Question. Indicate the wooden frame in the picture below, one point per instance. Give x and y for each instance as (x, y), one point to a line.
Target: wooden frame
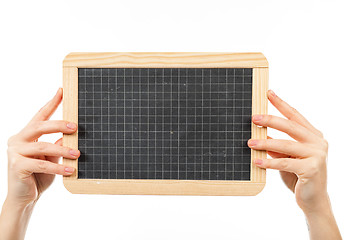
(73, 61)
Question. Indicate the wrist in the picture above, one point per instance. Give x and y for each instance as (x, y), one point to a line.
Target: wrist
(18, 203)
(14, 218)
(320, 207)
(321, 222)
(17, 207)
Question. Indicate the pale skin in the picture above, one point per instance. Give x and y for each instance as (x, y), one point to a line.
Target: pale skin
(301, 162)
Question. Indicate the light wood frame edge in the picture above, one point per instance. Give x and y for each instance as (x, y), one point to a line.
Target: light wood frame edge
(165, 187)
(259, 106)
(70, 113)
(164, 59)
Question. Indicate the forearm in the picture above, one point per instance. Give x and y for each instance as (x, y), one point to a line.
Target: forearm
(14, 219)
(322, 224)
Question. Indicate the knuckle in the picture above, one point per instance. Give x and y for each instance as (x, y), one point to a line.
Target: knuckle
(36, 126)
(292, 126)
(58, 125)
(262, 144)
(323, 155)
(10, 150)
(42, 165)
(322, 149)
(265, 163)
(325, 145)
(320, 134)
(11, 140)
(13, 146)
(287, 144)
(313, 168)
(293, 112)
(282, 102)
(14, 163)
(268, 118)
(57, 169)
(63, 151)
(41, 146)
(60, 169)
(284, 164)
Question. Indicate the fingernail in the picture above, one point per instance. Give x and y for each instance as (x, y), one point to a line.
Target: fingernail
(69, 170)
(74, 152)
(257, 118)
(271, 92)
(71, 125)
(252, 143)
(258, 161)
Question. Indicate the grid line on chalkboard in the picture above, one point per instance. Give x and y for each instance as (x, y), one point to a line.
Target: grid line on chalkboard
(164, 123)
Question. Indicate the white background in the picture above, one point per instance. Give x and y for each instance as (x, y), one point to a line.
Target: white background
(313, 51)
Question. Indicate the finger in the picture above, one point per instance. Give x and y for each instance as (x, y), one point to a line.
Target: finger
(43, 166)
(48, 110)
(59, 142)
(35, 129)
(290, 112)
(47, 149)
(293, 129)
(289, 178)
(281, 164)
(291, 148)
(275, 154)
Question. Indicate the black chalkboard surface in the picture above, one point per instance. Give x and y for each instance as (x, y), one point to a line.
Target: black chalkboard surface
(164, 123)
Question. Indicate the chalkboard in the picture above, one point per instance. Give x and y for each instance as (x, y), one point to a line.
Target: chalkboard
(164, 124)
